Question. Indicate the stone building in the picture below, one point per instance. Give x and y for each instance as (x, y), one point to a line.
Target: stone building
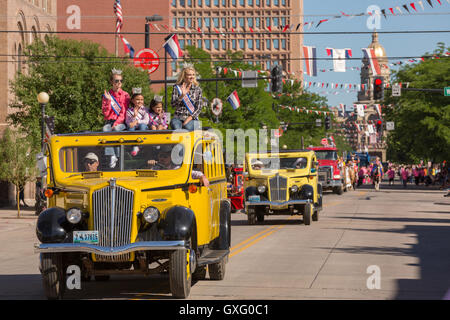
(25, 20)
(364, 141)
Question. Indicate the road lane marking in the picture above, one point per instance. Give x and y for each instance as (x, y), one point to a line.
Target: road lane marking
(264, 233)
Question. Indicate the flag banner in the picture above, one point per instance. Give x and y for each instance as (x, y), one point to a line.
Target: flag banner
(309, 53)
(339, 56)
(360, 110)
(172, 47)
(119, 23)
(186, 100)
(369, 53)
(233, 99)
(378, 109)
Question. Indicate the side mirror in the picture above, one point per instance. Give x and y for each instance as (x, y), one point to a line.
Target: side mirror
(313, 170)
(42, 164)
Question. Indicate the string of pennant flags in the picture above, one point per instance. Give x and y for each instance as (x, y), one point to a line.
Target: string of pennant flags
(407, 8)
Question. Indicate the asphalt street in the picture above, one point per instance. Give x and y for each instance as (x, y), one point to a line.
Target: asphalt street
(390, 244)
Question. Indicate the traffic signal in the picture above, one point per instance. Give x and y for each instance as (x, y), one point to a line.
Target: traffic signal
(327, 123)
(277, 79)
(378, 88)
(379, 126)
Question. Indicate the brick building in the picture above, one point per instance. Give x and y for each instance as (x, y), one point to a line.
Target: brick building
(182, 15)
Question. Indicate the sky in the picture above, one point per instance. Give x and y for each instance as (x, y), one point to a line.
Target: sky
(396, 45)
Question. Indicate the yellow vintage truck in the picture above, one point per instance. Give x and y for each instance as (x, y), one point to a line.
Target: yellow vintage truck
(162, 208)
(280, 183)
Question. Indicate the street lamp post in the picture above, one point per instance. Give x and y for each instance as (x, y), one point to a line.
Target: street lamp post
(43, 100)
(154, 17)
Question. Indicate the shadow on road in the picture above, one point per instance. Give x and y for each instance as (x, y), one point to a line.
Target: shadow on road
(432, 249)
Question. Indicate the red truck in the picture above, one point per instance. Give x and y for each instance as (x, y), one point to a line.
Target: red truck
(329, 173)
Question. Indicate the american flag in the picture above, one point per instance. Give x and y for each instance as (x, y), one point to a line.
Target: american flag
(118, 12)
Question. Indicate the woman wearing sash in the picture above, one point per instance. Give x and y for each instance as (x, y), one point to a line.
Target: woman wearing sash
(187, 101)
(114, 107)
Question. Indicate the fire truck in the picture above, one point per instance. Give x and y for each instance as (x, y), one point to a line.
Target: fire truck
(329, 172)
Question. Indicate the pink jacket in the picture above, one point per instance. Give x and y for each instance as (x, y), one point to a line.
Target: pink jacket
(404, 174)
(391, 174)
(123, 98)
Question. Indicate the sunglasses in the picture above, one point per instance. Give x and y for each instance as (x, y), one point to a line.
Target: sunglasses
(118, 81)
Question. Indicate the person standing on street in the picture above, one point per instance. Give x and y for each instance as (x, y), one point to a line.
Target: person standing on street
(391, 175)
(377, 174)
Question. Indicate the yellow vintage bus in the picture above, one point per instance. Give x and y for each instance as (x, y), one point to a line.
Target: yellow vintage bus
(284, 182)
(150, 205)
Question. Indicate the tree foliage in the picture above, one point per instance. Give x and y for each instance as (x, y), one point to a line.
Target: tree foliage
(74, 74)
(422, 119)
(17, 160)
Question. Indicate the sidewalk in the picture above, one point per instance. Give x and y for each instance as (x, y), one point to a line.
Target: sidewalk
(11, 213)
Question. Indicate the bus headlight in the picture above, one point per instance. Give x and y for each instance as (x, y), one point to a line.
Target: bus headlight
(262, 189)
(294, 188)
(74, 215)
(151, 214)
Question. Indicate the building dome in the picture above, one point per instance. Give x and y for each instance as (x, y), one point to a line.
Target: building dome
(378, 48)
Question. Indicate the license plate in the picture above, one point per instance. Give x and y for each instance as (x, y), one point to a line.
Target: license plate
(90, 237)
(254, 198)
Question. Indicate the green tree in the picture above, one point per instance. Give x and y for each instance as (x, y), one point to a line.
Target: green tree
(422, 119)
(17, 160)
(74, 74)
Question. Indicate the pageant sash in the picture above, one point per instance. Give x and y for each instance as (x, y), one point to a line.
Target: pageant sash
(187, 101)
(114, 104)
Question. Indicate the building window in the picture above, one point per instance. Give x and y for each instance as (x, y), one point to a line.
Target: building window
(174, 23)
(233, 3)
(233, 22)
(267, 22)
(216, 22)
(241, 22)
(283, 3)
(181, 23)
(276, 2)
(216, 3)
(199, 44)
(250, 3)
(283, 21)
(275, 22)
(257, 22)
(258, 44)
(268, 47)
(208, 44)
(207, 22)
(276, 44)
(216, 44)
(233, 44)
(224, 22)
(250, 44)
(189, 22)
(283, 43)
(224, 44)
(181, 44)
(208, 3)
(257, 3)
(268, 3)
(189, 2)
(182, 3)
(250, 22)
(199, 3)
(242, 3)
(199, 22)
(174, 3)
(241, 44)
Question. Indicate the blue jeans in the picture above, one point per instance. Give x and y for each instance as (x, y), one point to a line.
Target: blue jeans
(139, 127)
(177, 124)
(109, 151)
